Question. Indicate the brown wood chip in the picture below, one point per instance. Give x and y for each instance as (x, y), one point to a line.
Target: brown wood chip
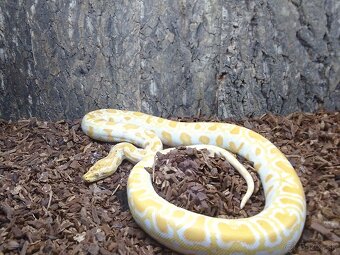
(206, 185)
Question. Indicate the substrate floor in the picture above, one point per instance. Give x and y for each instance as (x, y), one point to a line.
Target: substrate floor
(45, 207)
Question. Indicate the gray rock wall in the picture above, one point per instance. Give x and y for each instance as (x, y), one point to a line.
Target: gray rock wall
(61, 59)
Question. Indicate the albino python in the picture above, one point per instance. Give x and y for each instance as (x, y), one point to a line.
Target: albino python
(275, 230)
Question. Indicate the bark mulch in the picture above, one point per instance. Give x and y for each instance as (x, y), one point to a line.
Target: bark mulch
(45, 207)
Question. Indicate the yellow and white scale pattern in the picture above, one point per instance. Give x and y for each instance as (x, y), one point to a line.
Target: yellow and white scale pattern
(275, 230)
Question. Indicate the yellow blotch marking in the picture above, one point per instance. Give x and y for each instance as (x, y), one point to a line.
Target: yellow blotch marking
(213, 127)
(185, 138)
(178, 214)
(287, 168)
(288, 201)
(257, 151)
(167, 136)
(143, 152)
(141, 205)
(268, 229)
(240, 147)
(136, 174)
(276, 152)
(130, 126)
(162, 224)
(160, 120)
(139, 193)
(204, 139)
(286, 219)
(138, 114)
(236, 233)
(172, 124)
(120, 146)
(152, 204)
(149, 119)
(195, 233)
(269, 190)
(111, 110)
(156, 146)
(256, 136)
(135, 182)
(111, 123)
(99, 120)
(127, 118)
(234, 148)
(268, 177)
(284, 166)
(294, 190)
(197, 126)
(150, 134)
(108, 132)
(130, 147)
(236, 130)
(91, 131)
(111, 119)
(90, 116)
(219, 141)
(257, 166)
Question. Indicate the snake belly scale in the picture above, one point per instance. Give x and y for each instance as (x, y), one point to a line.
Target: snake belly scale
(275, 230)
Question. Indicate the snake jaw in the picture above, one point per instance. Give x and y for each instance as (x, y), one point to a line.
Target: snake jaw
(106, 166)
(100, 170)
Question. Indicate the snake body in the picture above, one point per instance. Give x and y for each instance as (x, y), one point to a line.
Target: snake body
(275, 230)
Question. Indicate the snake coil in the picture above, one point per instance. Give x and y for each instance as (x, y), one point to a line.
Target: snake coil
(275, 230)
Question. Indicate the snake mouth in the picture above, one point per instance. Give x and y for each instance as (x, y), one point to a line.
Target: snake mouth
(95, 174)
(89, 177)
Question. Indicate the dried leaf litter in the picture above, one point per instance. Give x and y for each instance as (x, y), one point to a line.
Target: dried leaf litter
(45, 207)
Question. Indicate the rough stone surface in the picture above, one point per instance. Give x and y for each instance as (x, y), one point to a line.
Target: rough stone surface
(61, 59)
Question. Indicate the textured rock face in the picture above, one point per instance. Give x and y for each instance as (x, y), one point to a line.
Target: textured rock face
(60, 59)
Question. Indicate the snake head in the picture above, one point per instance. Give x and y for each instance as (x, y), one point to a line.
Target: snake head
(100, 170)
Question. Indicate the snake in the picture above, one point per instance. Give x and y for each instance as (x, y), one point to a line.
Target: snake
(274, 230)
